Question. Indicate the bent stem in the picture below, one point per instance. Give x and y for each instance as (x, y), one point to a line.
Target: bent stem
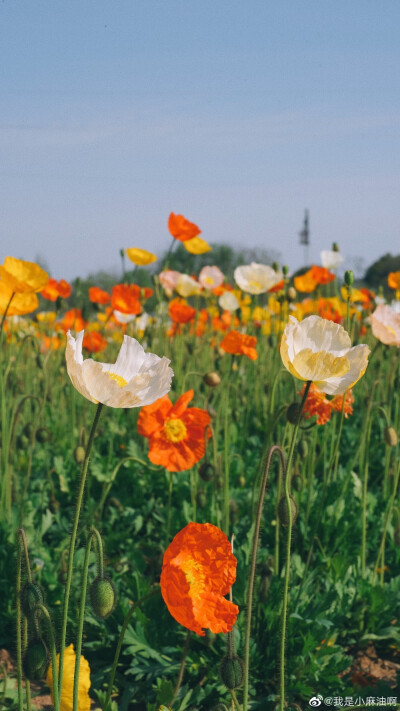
(72, 544)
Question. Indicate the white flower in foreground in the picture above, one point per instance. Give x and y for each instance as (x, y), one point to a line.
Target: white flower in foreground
(256, 278)
(331, 259)
(135, 379)
(319, 350)
(385, 324)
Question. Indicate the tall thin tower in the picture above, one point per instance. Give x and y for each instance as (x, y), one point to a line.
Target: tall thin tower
(305, 237)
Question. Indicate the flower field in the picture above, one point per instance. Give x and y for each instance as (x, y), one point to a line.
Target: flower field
(199, 486)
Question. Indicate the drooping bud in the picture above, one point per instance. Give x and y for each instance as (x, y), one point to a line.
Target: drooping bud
(102, 597)
(391, 437)
(43, 435)
(36, 660)
(212, 379)
(283, 511)
(79, 454)
(30, 596)
(292, 413)
(206, 471)
(232, 672)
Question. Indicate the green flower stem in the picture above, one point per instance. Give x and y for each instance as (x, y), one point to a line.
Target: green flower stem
(249, 601)
(4, 317)
(120, 641)
(181, 668)
(27, 683)
(288, 545)
(92, 534)
(170, 487)
(45, 612)
(380, 558)
(235, 701)
(18, 621)
(72, 543)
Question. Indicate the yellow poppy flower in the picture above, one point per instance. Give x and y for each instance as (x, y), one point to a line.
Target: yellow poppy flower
(196, 245)
(22, 277)
(21, 303)
(141, 257)
(320, 350)
(66, 702)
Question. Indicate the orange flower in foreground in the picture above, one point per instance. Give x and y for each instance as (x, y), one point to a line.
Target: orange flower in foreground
(180, 311)
(181, 229)
(54, 289)
(98, 296)
(176, 433)
(394, 280)
(125, 298)
(240, 344)
(198, 570)
(94, 342)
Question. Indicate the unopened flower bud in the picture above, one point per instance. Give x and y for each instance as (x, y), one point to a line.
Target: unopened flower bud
(285, 270)
(292, 413)
(36, 660)
(102, 597)
(43, 435)
(291, 294)
(30, 595)
(79, 454)
(206, 471)
(349, 277)
(391, 437)
(220, 707)
(201, 499)
(232, 672)
(283, 511)
(275, 266)
(335, 247)
(212, 379)
(297, 481)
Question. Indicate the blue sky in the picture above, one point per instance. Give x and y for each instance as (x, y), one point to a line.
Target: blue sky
(236, 114)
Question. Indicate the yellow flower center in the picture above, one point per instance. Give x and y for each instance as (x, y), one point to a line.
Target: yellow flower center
(255, 284)
(118, 379)
(209, 280)
(175, 430)
(194, 573)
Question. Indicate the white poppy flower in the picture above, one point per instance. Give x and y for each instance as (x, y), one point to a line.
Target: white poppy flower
(187, 286)
(385, 324)
(320, 350)
(123, 318)
(228, 301)
(331, 259)
(256, 278)
(135, 379)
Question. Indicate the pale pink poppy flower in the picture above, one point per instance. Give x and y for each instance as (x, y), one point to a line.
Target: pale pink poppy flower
(385, 324)
(211, 277)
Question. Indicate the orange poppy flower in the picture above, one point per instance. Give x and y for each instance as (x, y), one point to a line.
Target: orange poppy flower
(394, 280)
(176, 433)
(94, 342)
(240, 344)
(73, 319)
(316, 404)
(98, 296)
(125, 298)
(54, 289)
(326, 309)
(337, 403)
(180, 311)
(315, 276)
(198, 570)
(181, 229)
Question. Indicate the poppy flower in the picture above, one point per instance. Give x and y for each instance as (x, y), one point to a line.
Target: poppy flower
(210, 278)
(394, 280)
(319, 350)
(176, 433)
(306, 283)
(386, 325)
(20, 305)
(168, 280)
(140, 257)
(66, 701)
(126, 298)
(98, 296)
(22, 277)
(331, 259)
(337, 403)
(180, 311)
(197, 245)
(198, 570)
(181, 229)
(135, 379)
(73, 319)
(240, 344)
(187, 286)
(94, 342)
(317, 404)
(54, 289)
(256, 278)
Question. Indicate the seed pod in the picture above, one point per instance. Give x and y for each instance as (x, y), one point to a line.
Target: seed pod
(232, 672)
(102, 597)
(297, 481)
(283, 511)
(36, 660)
(211, 379)
(391, 437)
(79, 454)
(349, 277)
(302, 448)
(292, 413)
(43, 435)
(30, 596)
(28, 430)
(206, 471)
